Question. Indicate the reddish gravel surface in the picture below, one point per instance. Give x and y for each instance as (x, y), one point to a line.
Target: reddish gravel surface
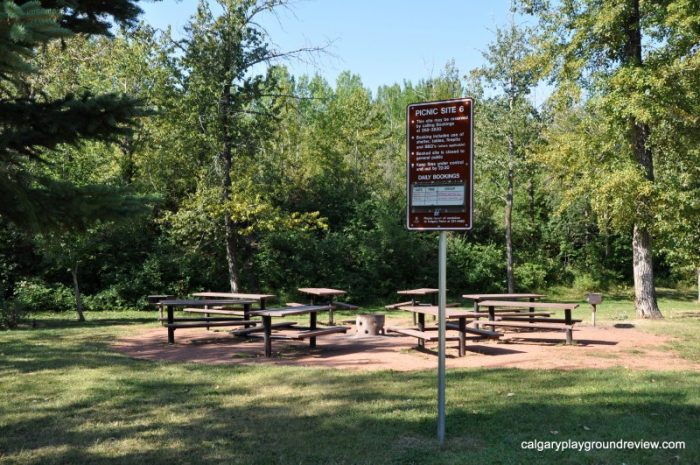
(601, 347)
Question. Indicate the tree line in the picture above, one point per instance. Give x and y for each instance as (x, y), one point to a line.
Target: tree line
(136, 163)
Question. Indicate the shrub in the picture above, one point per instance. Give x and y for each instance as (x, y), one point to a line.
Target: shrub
(37, 296)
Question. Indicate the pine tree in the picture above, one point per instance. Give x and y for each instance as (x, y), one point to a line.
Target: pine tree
(32, 124)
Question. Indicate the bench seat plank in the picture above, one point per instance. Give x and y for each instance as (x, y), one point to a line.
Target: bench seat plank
(477, 331)
(509, 303)
(260, 329)
(537, 320)
(525, 324)
(418, 334)
(320, 332)
(207, 324)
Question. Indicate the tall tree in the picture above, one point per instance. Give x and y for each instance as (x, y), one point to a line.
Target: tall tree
(628, 58)
(507, 119)
(231, 87)
(33, 124)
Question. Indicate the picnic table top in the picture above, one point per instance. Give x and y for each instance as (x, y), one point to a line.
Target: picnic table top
(202, 302)
(501, 296)
(234, 295)
(450, 312)
(421, 291)
(321, 291)
(286, 311)
(507, 303)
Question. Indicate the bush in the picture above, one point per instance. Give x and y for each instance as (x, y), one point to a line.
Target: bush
(530, 277)
(37, 296)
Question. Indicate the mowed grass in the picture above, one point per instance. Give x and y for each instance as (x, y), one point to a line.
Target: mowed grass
(67, 398)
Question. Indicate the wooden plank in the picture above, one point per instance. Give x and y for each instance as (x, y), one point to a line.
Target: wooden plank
(422, 291)
(321, 332)
(286, 311)
(213, 311)
(235, 295)
(537, 320)
(400, 304)
(201, 318)
(478, 331)
(344, 305)
(418, 334)
(321, 291)
(260, 329)
(207, 324)
(502, 296)
(516, 324)
(508, 303)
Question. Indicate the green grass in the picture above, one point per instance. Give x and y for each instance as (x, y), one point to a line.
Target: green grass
(68, 399)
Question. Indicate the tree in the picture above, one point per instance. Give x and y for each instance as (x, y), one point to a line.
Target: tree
(507, 119)
(33, 124)
(234, 108)
(631, 63)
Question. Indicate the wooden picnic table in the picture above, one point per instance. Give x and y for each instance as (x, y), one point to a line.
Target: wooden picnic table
(310, 332)
(460, 314)
(527, 321)
(261, 298)
(321, 296)
(173, 324)
(414, 294)
(477, 298)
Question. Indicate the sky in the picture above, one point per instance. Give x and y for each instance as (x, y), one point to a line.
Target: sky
(383, 41)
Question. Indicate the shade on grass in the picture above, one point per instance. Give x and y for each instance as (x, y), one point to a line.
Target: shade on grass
(66, 398)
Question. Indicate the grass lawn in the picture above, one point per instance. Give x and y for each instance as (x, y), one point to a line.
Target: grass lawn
(68, 399)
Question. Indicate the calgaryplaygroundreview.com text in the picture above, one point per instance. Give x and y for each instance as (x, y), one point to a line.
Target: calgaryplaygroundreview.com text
(588, 446)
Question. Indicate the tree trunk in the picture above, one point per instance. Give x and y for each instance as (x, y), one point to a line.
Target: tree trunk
(76, 291)
(509, 235)
(644, 291)
(226, 159)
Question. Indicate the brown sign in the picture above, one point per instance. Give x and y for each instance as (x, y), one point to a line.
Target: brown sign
(439, 170)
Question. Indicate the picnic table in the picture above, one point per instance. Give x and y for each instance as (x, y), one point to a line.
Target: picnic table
(310, 332)
(414, 294)
(321, 296)
(173, 324)
(526, 320)
(460, 314)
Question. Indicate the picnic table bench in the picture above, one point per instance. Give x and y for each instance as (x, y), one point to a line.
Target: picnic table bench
(460, 314)
(527, 320)
(173, 324)
(310, 332)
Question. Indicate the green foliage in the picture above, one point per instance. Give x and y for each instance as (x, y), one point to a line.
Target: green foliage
(37, 296)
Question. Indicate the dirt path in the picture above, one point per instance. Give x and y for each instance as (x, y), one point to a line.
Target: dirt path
(601, 347)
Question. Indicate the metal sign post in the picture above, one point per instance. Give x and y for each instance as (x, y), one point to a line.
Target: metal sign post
(439, 191)
(442, 303)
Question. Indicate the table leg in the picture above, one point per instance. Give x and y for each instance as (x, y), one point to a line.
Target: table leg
(246, 314)
(462, 336)
(421, 328)
(330, 312)
(267, 333)
(160, 311)
(413, 304)
(171, 330)
(567, 316)
(312, 326)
